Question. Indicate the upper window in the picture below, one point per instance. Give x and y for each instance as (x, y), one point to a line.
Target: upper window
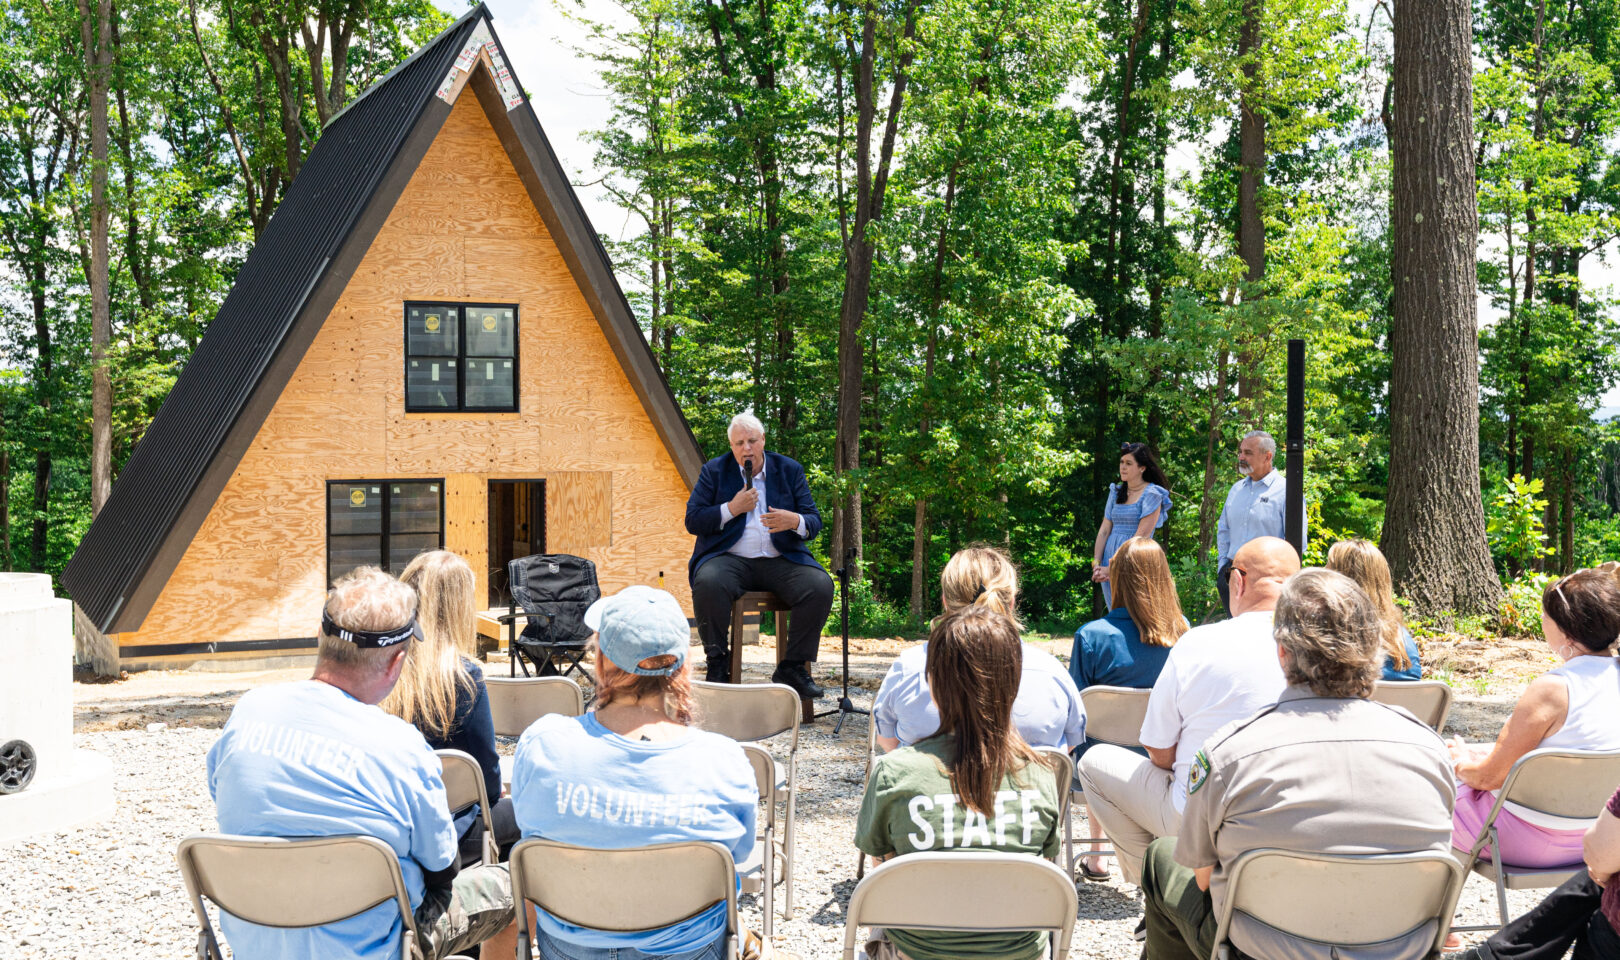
(460, 357)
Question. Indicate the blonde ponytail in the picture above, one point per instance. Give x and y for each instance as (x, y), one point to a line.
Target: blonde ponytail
(981, 576)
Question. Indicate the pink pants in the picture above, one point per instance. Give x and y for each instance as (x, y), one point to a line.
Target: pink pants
(1523, 844)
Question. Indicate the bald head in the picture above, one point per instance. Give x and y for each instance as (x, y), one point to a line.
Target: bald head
(1258, 572)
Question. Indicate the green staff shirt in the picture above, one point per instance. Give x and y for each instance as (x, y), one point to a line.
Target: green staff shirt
(910, 807)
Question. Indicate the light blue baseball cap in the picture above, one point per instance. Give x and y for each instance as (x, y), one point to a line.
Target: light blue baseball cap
(637, 624)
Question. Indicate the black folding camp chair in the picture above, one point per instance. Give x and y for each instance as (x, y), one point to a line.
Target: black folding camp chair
(550, 593)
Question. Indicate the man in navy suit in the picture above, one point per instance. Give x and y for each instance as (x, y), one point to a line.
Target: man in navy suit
(751, 534)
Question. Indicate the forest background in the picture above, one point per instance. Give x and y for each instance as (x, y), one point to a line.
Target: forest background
(940, 247)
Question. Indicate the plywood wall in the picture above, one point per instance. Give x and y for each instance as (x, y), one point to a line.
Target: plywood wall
(464, 230)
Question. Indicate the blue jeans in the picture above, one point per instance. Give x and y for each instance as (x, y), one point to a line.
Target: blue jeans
(551, 948)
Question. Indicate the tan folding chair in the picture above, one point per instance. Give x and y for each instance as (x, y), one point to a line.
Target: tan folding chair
(292, 883)
(1574, 784)
(463, 787)
(1113, 715)
(967, 891)
(1062, 767)
(866, 778)
(1428, 700)
(762, 863)
(747, 712)
(516, 702)
(624, 891)
(1342, 900)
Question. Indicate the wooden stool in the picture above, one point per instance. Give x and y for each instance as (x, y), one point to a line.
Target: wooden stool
(762, 601)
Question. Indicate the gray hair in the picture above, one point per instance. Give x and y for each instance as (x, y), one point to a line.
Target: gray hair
(1330, 630)
(365, 598)
(1268, 443)
(746, 421)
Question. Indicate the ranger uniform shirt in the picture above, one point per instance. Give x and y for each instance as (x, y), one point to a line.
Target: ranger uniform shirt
(1317, 775)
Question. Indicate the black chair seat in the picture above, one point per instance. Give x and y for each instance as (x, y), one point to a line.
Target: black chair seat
(553, 591)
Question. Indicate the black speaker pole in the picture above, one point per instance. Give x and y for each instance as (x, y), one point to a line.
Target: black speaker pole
(845, 706)
(1294, 504)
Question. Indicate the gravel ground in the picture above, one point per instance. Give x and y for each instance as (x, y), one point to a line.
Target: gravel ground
(113, 891)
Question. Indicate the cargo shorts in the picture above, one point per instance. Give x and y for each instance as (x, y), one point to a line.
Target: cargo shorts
(477, 905)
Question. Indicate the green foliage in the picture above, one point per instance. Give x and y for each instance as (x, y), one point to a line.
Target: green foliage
(1520, 612)
(871, 616)
(1056, 264)
(1513, 523)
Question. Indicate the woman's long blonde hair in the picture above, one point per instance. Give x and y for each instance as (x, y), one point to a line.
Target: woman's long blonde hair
(981, 576)
(1140, 576)
(1363, 563)
(434, 675)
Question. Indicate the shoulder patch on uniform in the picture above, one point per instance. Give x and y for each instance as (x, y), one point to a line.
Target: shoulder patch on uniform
(1198, 773)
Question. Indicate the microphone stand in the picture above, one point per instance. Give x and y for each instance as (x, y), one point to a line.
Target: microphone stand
(845, 705)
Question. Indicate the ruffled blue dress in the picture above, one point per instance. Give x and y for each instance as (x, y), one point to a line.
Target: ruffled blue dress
(1126, 516)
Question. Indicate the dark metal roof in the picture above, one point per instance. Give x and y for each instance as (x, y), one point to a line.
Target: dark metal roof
(283, 292)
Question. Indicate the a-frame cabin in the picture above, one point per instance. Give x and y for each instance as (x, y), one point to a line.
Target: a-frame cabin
(426, 347)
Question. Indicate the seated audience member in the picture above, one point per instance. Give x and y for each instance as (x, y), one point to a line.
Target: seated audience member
(1324, 770)
(318, 758)
(1214, 674)
(1363, 563)
(442, 693)
(1584, 912)
(1128, 647)
(1572, 707)
(975, 784)
(633, 772)
(1047, 711)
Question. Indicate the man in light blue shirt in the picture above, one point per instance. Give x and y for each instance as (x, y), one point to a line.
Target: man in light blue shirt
(318, 758)
(1256, 506)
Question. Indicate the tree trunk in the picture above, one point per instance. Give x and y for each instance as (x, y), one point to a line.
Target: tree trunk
(871, 180)
(95, 28)
(1251, 231)
(919, 561)
(5, 511)
(1434, 518)
(1207, 514)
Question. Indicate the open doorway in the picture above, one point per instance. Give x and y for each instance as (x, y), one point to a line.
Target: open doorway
(517, 528)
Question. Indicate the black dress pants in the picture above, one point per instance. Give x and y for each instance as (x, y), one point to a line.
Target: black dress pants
(807, 590)
(1223, 586)
(1568, 916)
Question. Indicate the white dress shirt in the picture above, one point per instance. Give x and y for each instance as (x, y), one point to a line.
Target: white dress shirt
(1215, 674)
(755, 540)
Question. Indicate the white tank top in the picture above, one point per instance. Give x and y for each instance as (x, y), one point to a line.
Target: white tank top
(1590, 724)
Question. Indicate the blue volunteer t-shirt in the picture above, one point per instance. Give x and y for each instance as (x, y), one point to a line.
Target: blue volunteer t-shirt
(575, 781)
(306, 759)
(1047, 710)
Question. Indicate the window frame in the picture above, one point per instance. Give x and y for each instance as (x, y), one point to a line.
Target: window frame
(461, 356)
(384, 534)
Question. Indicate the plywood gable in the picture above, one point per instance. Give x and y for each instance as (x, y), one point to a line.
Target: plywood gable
(464, 230)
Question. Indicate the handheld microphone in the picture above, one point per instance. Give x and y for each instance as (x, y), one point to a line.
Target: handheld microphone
(748, 473)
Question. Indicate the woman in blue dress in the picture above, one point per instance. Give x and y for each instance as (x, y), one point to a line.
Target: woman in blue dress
(1137, 506)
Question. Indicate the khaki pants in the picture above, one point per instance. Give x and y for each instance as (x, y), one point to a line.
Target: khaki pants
(1132, 799)
(881, 947)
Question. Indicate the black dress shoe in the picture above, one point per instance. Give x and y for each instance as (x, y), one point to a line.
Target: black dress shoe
(717, 670)
(804, 674)
(796, 679)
